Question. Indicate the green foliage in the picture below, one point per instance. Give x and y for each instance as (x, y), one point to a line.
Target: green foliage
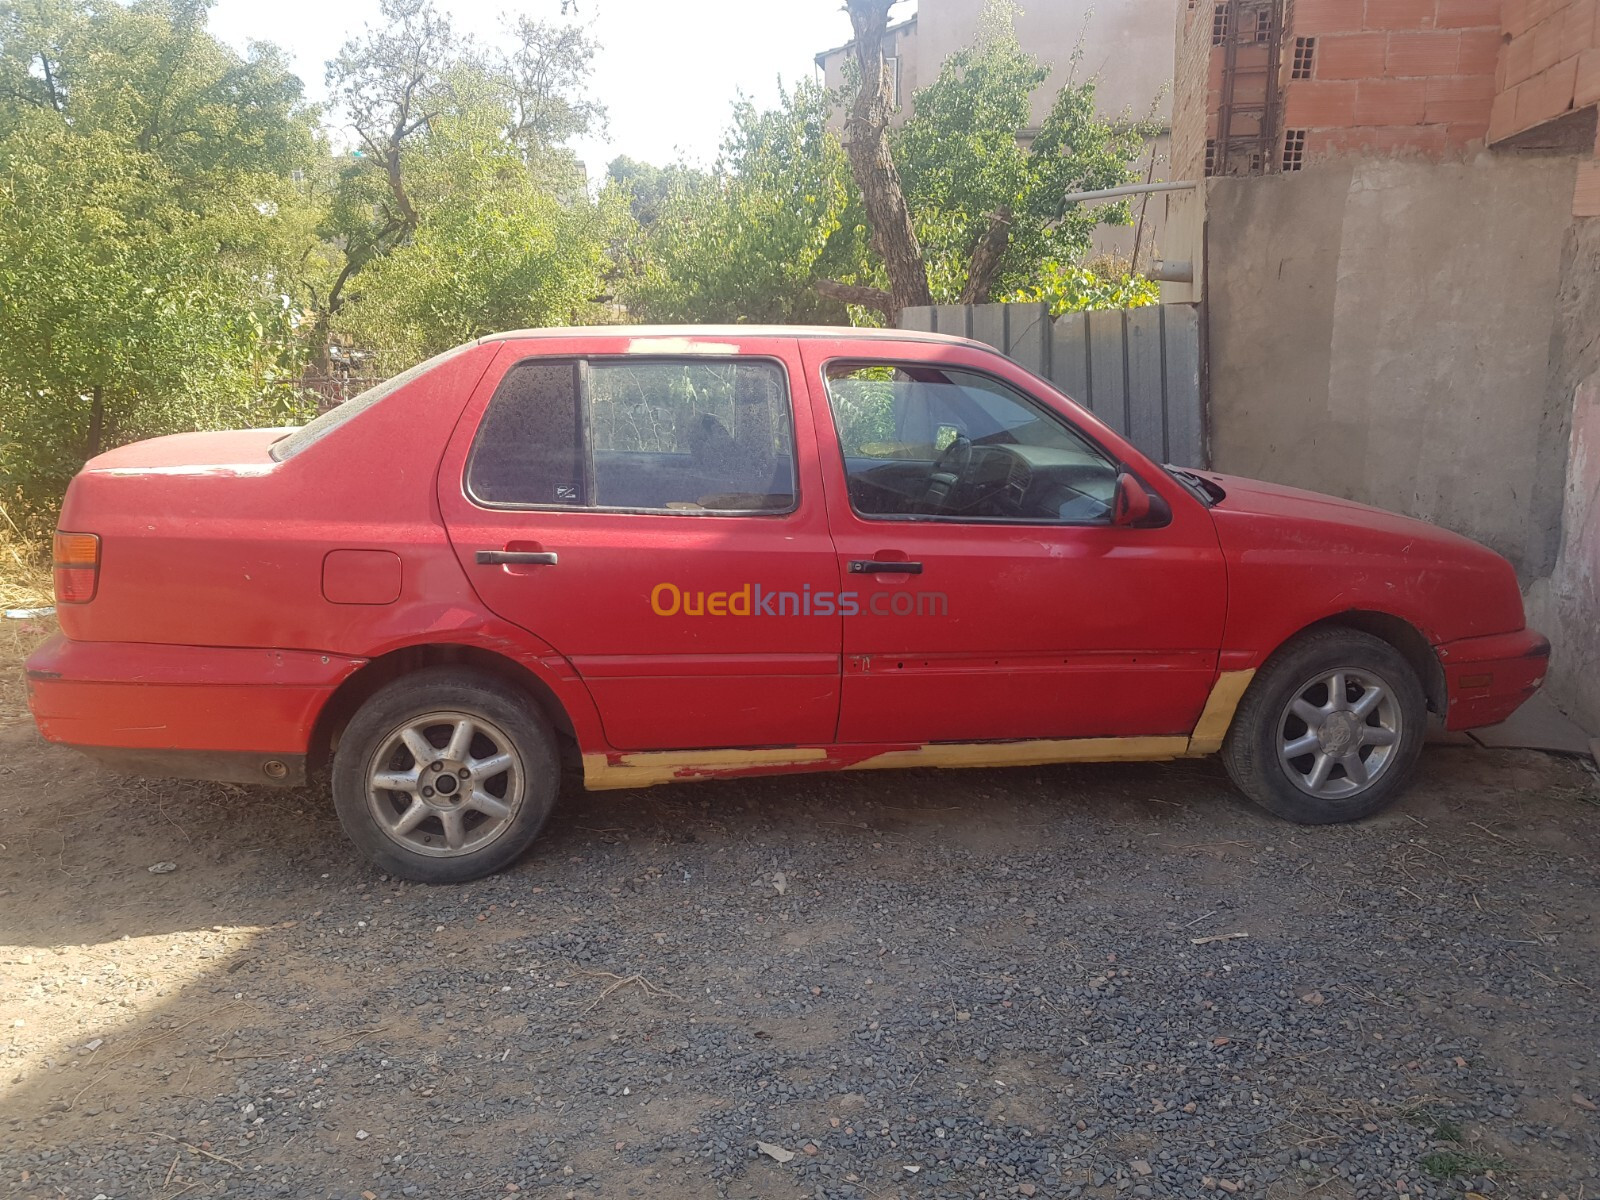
(181, 237)
(1067, 288)
(144, 212)
(960, 161)
(464, 212)
(648, 187)
(504, 258)
(747, 242)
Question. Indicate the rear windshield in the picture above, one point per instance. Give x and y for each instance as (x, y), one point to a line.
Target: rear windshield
(292, 443)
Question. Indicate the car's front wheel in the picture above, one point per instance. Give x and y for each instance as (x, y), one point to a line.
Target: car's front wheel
(445, 776)
(1329, 729)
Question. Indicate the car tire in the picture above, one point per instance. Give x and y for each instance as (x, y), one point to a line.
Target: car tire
(445, 776)
(1308, 754)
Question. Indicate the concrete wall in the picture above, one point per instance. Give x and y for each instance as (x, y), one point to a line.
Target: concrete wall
(1127, 48)
(1127, 45)
(1565, 600)
(1412, 335)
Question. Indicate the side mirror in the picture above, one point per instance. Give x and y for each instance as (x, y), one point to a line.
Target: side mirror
(1131, 504)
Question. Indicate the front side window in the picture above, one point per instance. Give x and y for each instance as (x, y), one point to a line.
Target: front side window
(653, 435)
(928, 442)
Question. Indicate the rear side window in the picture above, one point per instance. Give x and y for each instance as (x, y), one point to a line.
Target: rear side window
(529, 449)
(640, 435)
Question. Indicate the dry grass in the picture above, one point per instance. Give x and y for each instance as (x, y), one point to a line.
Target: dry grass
(24, 568)
(24, 583)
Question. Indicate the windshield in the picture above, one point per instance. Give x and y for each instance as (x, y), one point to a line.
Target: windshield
(292, 443)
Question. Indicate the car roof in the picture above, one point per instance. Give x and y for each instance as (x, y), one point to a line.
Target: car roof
(732, 332)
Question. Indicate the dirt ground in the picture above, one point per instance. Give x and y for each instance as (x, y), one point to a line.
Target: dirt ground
(1100, 981)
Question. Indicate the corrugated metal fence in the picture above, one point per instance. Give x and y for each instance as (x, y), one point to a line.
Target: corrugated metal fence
(1137, 369)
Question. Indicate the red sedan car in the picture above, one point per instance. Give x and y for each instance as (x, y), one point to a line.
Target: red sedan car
(684, 554)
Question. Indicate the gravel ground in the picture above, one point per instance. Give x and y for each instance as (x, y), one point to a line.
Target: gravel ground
(1110, 981)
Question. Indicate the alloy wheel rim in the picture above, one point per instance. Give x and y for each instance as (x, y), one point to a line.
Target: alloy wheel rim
(1340, 733)
(445, 784)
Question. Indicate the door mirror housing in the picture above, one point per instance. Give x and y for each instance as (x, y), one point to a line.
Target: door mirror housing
(1131, 503)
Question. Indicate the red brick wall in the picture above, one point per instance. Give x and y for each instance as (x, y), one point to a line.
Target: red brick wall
(1430, 78)
(1394, 75)
(1549, 65)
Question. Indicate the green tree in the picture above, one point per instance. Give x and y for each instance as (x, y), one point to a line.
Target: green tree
(493, 249)
(649, 187)
(747, 242)
(990, 212)
(461, 210)
(147, 217)
(986, 213)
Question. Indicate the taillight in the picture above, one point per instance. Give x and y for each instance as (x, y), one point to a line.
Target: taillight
(77, 564)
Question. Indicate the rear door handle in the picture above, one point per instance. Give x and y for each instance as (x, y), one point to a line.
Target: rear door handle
(874, 566)
(536, 558)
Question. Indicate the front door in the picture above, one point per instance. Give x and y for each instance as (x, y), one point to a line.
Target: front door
(656, 517)
(993, 598)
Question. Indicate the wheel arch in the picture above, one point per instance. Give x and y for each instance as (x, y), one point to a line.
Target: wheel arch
(354, 691)
(1411, 643)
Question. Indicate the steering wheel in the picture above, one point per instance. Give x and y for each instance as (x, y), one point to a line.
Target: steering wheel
(949, 469)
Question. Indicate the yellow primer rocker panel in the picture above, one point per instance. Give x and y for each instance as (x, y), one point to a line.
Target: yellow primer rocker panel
(1028, 754)
(601, 773)
(681, 766)
(1217, 715)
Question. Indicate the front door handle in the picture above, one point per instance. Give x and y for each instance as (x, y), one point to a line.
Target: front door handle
(536, 558)
(875, 566)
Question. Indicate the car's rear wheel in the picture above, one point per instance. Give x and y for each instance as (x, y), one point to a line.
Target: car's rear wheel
(1329, 730)
(445, 776)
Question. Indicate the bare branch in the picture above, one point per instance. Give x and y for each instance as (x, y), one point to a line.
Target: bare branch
(852, 293)
(986, 258)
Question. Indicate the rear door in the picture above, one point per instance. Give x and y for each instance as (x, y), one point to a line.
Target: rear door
(652, 508)
(989, 596)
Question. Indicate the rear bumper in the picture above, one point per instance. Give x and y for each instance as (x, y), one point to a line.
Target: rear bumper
(1488, 678)
(208, 712)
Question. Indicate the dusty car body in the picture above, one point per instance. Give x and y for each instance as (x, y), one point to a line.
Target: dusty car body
(690, 553)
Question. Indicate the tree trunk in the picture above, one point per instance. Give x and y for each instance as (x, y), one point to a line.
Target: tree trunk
(97, 423)
(986, 258)
(866, 141)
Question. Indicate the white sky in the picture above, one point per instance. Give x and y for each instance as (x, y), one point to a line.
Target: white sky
(667, 70)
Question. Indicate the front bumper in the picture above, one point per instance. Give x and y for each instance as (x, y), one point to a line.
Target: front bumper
(1488, 678)
(205, 712)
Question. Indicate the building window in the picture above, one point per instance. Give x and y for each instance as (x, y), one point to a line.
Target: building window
(1294, 149)
(891, 64)
(1263, 26)
(1211, 157)
(1219, 25)
(1305, 57)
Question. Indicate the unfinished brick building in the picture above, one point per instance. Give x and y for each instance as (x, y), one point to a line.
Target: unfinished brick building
(1274, 85)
